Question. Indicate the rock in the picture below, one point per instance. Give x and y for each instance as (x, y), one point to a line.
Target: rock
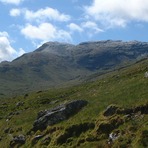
(14, 113)
(110, 110)
(46, 140)
(19, 129)
(74, 131)
(42, 113)
(91, 138)
(54, 102)
(40, 91)
(146, 74)
(58, 114)
(36, 138)
(107, 127)
(18, 104)
(113, 136)
(25, 96)
(8, 130)
(80, 141)
(17, 140)
(143, 109)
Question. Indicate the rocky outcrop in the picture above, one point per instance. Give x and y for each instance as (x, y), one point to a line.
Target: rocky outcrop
(110, 110)
(36, 138)
(113, 109)
(17, 140)
(74, 131)
(58, 114)
(108, 126)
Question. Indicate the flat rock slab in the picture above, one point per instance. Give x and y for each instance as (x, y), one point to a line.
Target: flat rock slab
(58, 114)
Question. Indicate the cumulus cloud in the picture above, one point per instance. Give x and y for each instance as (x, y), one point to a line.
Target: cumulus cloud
(92, 26)
(46, 14)
(75, 27)
(45, 32)
(113, 13)
(7, 52)
(20, 52)
(16, 2)
(15, 12)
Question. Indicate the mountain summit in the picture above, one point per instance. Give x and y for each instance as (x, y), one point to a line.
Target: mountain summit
(55, 64)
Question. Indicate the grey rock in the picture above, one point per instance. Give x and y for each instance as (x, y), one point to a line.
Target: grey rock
(20, 139)
(58, 114)
(113, 109)
(18, 104)
(146, 74)
(143, 109)
(110, 110)
(113, 136)
(36, 138)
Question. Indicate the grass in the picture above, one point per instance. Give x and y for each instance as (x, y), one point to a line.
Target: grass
(126, 87)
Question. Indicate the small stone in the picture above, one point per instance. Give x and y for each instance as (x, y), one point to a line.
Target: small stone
(7, 130)
(36, 138)
(46, 140)
(146, 74)
(113, 136)
(17, 140)
(18, 104)
(110, 110)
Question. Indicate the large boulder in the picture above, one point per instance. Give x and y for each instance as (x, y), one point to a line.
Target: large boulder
(57, 114)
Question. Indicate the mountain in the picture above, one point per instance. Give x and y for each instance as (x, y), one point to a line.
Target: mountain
(110, 112)
(55, 64)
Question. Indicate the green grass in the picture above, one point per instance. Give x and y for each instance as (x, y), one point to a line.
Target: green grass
(126, 87)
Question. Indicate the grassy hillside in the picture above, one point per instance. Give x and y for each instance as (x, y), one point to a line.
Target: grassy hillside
(125, 88)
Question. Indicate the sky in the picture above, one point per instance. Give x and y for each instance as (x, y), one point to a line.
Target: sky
(27, 24)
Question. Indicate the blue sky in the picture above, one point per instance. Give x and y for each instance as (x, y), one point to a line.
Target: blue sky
(27, 24)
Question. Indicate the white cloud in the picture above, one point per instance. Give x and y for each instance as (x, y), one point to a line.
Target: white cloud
(21, 52)
(46, 14)
(45, 32)
(74, 27)
(91, 26)
(113, 13)
(16, 2)
(7, 52)
(15, 12)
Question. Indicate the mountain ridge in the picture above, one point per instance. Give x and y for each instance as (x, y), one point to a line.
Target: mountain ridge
(55, 64)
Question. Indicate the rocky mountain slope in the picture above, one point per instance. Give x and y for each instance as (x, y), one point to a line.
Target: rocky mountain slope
(55, 64)
(110, 112)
